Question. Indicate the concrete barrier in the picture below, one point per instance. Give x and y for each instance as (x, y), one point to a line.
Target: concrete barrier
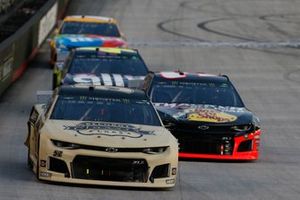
(22, 44)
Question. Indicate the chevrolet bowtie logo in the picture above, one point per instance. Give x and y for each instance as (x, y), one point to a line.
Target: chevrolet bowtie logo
(203, 128)
(111, 149)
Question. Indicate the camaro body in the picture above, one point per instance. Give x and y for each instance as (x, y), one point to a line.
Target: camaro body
(100, 152)
(206, 114)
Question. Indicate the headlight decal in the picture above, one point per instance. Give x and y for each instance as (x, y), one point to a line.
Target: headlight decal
(72, 146)
(242, 128)
(65, 145)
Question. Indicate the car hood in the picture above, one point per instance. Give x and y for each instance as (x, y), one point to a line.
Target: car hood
(69, 41)
(205, 114)
(108, 134)
(104, 79)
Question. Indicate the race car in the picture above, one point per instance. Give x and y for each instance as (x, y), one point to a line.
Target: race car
(206, 114)
(81, 31)
(101, 135)
(101, 66)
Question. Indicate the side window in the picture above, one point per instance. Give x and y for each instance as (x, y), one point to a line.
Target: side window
(147, 83)
(49, 104)
(67, 64)
(33, 116)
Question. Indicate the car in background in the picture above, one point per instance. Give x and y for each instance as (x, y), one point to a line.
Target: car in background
(206, 114)
(101, 135)
(101, 66)
(81, 31)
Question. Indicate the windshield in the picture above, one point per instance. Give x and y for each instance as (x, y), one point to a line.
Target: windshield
(119, 110)
(104, 29)
(209, 93)
(98, 62)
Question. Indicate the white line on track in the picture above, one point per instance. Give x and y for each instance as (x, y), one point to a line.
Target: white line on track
(265, 45)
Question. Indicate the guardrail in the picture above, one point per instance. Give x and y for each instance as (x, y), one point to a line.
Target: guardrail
(21, 46)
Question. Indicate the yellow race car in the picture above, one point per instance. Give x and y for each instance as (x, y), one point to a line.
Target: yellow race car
(82, 31)
(101, 135)
(100, 66)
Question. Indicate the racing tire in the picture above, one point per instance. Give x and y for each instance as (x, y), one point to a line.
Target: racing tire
(54, 81)
(29, 161)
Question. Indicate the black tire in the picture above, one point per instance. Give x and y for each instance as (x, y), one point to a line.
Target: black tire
(29, 161)
(54, 81)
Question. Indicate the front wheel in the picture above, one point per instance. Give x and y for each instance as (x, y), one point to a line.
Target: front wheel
(29, 161)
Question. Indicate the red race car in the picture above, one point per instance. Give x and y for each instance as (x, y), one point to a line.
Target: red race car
(206, 114)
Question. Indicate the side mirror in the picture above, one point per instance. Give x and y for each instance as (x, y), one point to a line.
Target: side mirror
(56, 31)
(51, 42)
(168, 124)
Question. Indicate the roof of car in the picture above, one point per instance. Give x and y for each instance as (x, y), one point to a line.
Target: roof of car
(107, 50)
(188, 76)
(103, 92)
(89, 18)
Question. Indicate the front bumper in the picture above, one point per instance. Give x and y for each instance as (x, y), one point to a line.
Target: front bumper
(242, 148)
(94, 167)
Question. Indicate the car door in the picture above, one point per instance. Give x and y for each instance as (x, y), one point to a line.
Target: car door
(32, 138)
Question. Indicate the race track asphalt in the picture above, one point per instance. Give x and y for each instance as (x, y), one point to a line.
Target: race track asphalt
(254, 42)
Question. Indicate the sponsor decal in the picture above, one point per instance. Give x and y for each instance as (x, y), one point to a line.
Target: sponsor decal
(173, 75)
(105, 79)
(170, 181)
(45, 174)
(6, 68)
(138, 162)
(86, 78)
(57, 153)
(109, 129)
(201, 113)
(184, 106)
(210, 115)
(73, 41)
(107, 19)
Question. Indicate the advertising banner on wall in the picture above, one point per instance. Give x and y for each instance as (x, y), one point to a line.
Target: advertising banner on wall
(47, 23)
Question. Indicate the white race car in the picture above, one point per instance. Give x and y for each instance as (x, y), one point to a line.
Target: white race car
(101, 135)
